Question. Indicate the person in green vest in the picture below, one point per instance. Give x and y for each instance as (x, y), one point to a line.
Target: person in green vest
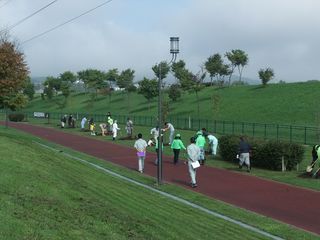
(176, 145)
(201, 142)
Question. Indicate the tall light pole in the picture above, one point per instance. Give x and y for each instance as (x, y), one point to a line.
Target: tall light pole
(174, 50)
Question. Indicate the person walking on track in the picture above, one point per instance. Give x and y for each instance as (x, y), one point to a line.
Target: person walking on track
(176, 145)
(193, 156)
(140, 145)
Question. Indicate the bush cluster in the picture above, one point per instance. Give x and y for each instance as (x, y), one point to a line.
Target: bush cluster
(16, 117)
(264, 154)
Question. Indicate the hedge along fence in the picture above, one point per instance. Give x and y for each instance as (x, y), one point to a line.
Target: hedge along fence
(280, 132)
(268, 154)
(16, 117)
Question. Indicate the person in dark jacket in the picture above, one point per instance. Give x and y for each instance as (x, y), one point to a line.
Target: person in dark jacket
(244, 154)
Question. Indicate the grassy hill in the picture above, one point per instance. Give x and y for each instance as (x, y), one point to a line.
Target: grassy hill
(47, 195)
(291, 103)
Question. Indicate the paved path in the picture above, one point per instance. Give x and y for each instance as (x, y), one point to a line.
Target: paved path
(293, 205)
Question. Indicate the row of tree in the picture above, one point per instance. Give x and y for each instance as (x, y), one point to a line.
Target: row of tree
(96, 81)
(16, 87)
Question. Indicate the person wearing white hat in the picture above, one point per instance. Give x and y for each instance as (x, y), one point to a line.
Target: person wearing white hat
(115, 129)
(176, 146)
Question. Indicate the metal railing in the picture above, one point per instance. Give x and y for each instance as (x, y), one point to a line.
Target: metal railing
(291, 133)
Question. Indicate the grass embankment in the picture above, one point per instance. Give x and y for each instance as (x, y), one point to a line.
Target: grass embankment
(291, 103)
(46, 195)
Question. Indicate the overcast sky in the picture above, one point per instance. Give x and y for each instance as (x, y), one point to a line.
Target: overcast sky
(281, 34)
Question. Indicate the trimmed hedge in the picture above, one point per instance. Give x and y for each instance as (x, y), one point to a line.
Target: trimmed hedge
(16, 117)
(264, 154)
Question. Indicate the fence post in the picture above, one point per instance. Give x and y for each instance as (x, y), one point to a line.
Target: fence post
(189, 122)
(283, 166)
(290, 133)
(277, 132)
(223, 127)
(253, 129)
(232, 127)
(305, 135)
(215, 126)
(265, 131)
(243, 128)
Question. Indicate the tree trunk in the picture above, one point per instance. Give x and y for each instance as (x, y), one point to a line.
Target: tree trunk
(128, 95)
(198, 104)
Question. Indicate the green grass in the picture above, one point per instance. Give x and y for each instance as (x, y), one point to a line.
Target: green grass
(292, 103)
(46, 195)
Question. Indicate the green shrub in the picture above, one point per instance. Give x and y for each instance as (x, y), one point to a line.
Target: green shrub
(16, 117)
(264, 154)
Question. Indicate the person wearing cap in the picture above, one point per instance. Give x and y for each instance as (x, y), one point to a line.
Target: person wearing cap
(83, 122)
(92, 127)
(176, 145)
(201, 142)
(193, 155)
(213, 144)
(109, 122)
(115, 129)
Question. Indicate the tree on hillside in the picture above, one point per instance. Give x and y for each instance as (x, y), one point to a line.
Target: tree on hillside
(239, 59)
(174, 92)
(183, 75)
(216, 68)
(176, 68)
(93, 79)
(111, 76)
(29, 89)
(162, 68)
(51, 86)
(66, 80)
(266, 75)
(149, 89)
(125, 80)
(197, 86)
(13, 74)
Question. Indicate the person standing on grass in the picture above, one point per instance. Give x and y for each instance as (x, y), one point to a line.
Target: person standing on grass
(115, 129)
(193, 155)
(155, 133)
(109, 122)
(201, 142)
(176, 145)
(244, 154)
(83, 123)
(213, 144)
(129, 128)
(92, 127)
(141, 145)
(169, 126)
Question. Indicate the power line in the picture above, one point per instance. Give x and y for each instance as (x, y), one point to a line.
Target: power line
(5, 3)
(31, 15)
(64, 23)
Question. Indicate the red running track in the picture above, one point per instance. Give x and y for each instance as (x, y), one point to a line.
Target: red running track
(292, 205)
